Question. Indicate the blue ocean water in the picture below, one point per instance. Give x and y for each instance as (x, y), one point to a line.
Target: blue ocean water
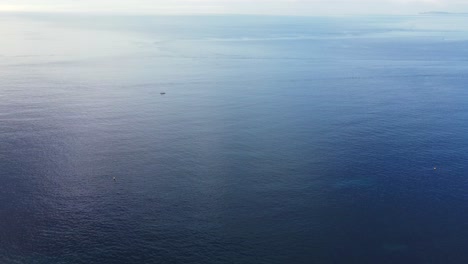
(279, 139)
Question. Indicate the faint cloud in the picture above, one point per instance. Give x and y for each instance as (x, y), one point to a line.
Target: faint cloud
(278, 7)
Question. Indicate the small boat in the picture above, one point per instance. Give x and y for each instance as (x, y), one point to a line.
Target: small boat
(162, 93)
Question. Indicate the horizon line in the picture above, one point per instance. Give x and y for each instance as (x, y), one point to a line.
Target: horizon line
(101, 13)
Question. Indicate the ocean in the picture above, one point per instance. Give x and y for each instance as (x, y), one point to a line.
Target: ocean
(278, 139)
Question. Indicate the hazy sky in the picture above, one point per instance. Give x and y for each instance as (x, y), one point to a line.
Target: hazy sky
(286, 7)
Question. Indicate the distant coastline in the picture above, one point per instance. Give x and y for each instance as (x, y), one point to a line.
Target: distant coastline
(444, 13)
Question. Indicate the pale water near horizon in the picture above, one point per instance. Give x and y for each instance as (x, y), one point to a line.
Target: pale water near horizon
(279, 139)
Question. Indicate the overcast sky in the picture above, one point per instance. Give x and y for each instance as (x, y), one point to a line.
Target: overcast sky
(285, 7)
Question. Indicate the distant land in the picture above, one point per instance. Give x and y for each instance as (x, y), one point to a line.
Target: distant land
(444, 13)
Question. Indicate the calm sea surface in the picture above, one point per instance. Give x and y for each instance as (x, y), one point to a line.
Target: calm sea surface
(279, 139)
